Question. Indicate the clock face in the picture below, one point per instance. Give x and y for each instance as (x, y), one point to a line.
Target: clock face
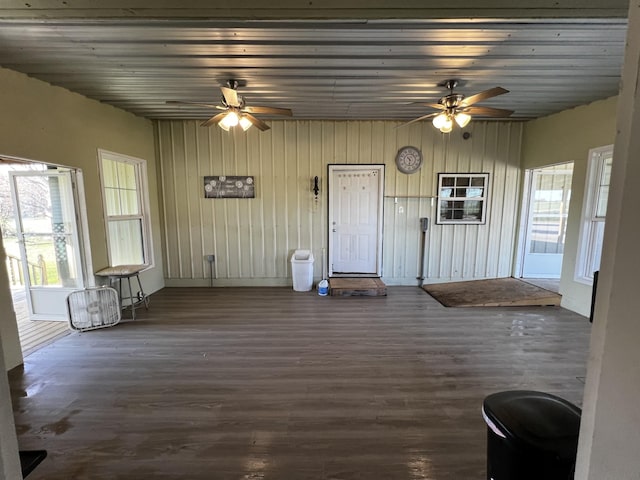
(409, 159)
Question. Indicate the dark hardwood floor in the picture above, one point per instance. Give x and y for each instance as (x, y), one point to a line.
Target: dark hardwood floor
(267, 383)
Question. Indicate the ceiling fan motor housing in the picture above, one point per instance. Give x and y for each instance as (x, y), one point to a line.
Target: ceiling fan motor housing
(240, 106)
(452, 100)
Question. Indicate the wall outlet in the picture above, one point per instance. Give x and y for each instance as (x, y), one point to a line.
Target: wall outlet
(210, 258)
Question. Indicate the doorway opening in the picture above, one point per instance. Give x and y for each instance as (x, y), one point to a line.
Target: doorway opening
(545, 209)
(43, 251)
(356, 194)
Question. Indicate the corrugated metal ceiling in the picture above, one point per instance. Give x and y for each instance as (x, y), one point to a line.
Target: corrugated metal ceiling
(330, 69)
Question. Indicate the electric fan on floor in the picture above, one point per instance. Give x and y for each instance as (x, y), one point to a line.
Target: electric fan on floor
(93, 308)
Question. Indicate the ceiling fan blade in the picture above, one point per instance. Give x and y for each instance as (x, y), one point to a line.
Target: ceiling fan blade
(259, 124)
(271, 110)
(213, 120)
(486, 111)
(478, 97)
(197, 104)
(230, 96)
(438, 106)
(424, 117)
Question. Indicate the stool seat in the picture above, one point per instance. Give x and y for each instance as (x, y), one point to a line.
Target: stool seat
(118, 273)
(121, 270)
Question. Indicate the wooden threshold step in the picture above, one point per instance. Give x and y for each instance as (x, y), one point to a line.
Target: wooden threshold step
(353, 287)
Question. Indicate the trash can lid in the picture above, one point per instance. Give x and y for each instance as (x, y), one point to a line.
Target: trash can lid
(535, 420)
(302, 255)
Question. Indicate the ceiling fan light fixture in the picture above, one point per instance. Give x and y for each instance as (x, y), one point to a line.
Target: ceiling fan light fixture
(245, 123)
(443, 122)
(440, 120)
(446, 128)
(462, 119)
(230, 120)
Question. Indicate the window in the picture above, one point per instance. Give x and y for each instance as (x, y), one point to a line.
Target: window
(462, 198)
(594, 213)
(126, 209)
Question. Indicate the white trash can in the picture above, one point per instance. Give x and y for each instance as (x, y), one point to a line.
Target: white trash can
(302, 270)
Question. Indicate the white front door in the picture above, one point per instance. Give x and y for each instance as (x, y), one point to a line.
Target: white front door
(549, 196)
(355, 220)
(48, 238)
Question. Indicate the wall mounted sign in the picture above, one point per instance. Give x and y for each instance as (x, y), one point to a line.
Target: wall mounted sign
(225, 186)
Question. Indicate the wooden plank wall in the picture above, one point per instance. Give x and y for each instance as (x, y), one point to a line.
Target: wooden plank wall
(253, 239)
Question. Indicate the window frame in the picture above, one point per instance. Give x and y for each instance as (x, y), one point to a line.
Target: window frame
(484, 199)
(142, 190)
(591, 224)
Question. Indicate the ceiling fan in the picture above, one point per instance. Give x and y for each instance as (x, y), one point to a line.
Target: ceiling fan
(455, 107)
(235, 111)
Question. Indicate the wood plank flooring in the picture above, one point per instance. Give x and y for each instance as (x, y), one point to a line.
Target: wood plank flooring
(34, 333)
(267, 383)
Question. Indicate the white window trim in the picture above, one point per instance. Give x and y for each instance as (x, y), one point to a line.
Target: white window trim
(143, 193)
(594, 169)
(484, 199)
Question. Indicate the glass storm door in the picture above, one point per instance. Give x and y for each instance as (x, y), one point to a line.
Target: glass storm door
(550, 193)
(48, 238)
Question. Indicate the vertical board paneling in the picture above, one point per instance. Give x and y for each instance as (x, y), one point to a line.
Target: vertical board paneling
(478, 152)
(242, 209)
(201, 266)
(265, 190)
(253, 239)
(317, 167)
(290, 203)
(280, 172)
(177, 151)
(512, 179)
(497, 189)
(192, 205)
(164, 145)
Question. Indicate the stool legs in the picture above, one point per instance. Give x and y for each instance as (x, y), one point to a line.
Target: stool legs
(134, 300)
(143, 297)
(133, 303)
(112, 280)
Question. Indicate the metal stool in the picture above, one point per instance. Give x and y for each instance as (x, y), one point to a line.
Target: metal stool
(125, 272)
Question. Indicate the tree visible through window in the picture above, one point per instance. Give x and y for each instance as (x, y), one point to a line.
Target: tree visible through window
(124, 195)
(594, 213)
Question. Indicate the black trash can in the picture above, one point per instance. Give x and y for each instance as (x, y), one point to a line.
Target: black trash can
(530, 435)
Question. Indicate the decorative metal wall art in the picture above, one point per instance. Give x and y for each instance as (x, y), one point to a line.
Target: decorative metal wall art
(226, 186)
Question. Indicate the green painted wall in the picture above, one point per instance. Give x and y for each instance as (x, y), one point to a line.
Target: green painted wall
(567, 137)
(48, 124)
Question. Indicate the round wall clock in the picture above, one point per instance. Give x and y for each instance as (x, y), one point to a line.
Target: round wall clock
(409, 159)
